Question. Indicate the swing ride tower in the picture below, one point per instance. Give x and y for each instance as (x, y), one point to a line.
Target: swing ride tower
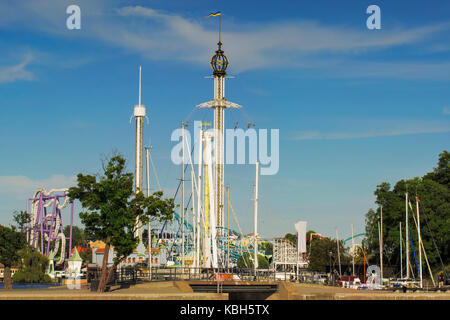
(219, 64)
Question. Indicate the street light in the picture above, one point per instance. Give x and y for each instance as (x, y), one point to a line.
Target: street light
(330, 254)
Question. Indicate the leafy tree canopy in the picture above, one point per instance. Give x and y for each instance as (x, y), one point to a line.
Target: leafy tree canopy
(433, 192)
(112, 209)
(11, 242)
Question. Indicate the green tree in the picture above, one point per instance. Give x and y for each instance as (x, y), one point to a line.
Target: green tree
(112, 209)
(11, 242)
(79, 238)
(433, 192)
(292, 238)
(319, 257)
(21, 220)
(33, 267)
(246, 261)
(268, 248)
(441, 174)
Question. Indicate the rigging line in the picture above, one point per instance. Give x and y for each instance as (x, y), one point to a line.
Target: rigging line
(245, 114)
(414, 252)
(421, 246)
(240, 230)
(432, 238)
(194, 109)
(195, 180)
(154, 169)
(180, 224)
(176, 192)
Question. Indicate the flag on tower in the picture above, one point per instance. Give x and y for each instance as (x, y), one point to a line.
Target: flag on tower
(214, 14)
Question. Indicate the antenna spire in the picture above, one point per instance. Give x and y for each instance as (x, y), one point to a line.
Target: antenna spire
(140, 69)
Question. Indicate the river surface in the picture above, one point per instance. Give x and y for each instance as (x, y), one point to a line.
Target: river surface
(31, 286)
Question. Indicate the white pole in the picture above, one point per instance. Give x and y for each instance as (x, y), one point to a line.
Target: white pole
(406, 238)
(353, 252)
(140, 68)
(193, 215)
(401, 252)
(212, 214)
(199, 188)
(182, 198)
(149, 245)
(420, 242)
(381, 245)
(339, 256)
(228, 227)
(255, 221)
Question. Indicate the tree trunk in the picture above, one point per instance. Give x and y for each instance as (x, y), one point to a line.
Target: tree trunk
(7, 278)
(103, 275)
(110, 272)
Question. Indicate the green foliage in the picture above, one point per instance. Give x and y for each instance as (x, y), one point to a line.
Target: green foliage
(112, 207)
(291, 237)
(441, 174)
(11, 242)
(433, 191)
(319, 254)
(86, 255)
(32, 268)
(246, 261)
(268, 248)
(21, 219)
(79, 237)
(309, 233)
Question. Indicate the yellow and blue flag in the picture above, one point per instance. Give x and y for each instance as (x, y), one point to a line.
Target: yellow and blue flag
(214, 14)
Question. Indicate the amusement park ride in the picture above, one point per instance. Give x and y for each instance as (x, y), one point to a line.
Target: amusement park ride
(200, 237)
(45, 230)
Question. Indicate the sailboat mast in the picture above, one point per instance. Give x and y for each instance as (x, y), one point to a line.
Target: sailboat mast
(420, 242)
(406, 238)
(228, 226)
(339, 256)
(255, 217)
(401, 252)
(381, 245)
(182, 197)
(353, 252)
(149, 235)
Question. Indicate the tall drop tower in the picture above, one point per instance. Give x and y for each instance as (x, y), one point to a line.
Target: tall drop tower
(219, 63)
(139, 114)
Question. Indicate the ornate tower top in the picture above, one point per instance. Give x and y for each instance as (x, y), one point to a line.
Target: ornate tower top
(219, 62)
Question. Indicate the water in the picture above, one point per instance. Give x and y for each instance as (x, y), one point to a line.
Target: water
(31, 286)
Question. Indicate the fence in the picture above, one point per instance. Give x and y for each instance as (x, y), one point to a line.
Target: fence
(132, 275)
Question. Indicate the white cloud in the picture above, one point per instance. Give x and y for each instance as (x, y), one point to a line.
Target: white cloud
(16, 72)
(446, 110)
(22, 187)
(373, 133)
(159, 35)
(250, 46)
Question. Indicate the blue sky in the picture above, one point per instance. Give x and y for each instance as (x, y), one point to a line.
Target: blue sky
(355, 107)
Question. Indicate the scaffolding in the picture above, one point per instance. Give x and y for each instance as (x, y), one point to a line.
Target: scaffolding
(286, 258)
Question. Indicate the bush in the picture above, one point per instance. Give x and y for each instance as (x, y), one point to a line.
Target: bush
(28, 277)
(33, 267)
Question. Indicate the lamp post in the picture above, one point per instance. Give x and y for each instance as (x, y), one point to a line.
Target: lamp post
(330, 254)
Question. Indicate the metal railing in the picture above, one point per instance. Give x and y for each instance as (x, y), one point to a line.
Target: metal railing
(133, 275)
